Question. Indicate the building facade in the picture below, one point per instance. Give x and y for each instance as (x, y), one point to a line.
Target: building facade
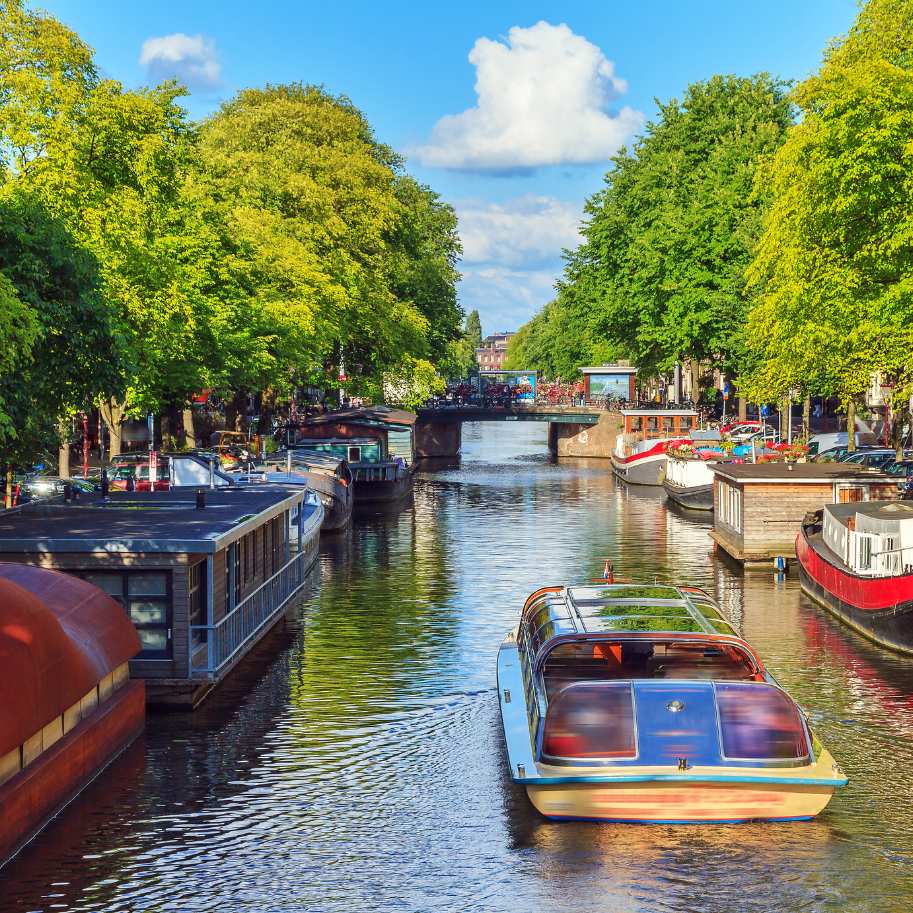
(492, 354)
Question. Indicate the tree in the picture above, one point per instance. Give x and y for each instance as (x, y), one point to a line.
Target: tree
(472, 329)
(833, 271)
(660, 277)
(59, 346)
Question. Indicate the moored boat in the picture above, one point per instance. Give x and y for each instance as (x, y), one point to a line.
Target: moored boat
(640, 703)
(325, 474)
(856, 560)
(639, 457)
(688, 482)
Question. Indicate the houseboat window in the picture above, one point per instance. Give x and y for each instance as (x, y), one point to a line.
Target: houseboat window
(634, 423)
(759, 723)
(652, 423)
(686, 423)
(591, 720)
(146, 597)
(354, 455)
(196, 601)
(668, 423)
(850, 494)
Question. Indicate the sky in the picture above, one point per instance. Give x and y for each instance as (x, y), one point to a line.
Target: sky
(511, 111)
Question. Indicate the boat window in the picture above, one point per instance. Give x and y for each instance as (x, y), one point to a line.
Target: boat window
(354, 454)
(722, 627)
(760, 723)
(668, 423)
(634, 423)
(611, 610)
(686, 422)
(591, 720)
(707, 609)
(639, 623)
(652, 423)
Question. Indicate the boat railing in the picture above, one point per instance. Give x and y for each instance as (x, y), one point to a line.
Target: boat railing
(225, 639)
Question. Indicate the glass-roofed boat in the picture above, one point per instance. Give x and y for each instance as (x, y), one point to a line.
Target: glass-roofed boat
(640, 703)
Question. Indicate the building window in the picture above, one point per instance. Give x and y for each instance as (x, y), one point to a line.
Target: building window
(146, 595)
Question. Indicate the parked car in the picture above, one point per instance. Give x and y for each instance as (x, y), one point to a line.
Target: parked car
(820, 443)
(876, 458)
(120, 479)
(41, 487)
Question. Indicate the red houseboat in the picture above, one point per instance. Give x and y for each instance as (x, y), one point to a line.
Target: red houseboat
(857, 561)
(67, 703)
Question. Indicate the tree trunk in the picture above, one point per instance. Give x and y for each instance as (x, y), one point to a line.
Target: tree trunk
(63, 454)
(112, 413)
(851, 426)
(186, 434)
(743, 408)
(807, 416)
(694, 366)
(9, 485)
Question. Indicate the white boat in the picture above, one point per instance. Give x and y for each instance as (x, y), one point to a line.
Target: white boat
(639, 457)
(689, 481)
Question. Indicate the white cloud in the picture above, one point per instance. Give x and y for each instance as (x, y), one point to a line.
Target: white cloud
(543, 99)
(191, 59)
(504, 297)
(525, 231)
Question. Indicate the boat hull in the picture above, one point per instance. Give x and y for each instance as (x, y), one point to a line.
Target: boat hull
(645, 470)
(695, 497)
(670, 802)
(382, 492)
(337, 500)
(879, 608)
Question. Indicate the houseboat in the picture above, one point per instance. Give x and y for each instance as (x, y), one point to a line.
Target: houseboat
(688, 482)
(325, 474)
(640, 703)
(639, 457)
(857, 561)
(758, 508)
(378, 444)
(203, 574)
(67, 704)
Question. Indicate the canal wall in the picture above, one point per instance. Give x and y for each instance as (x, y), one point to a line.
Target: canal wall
(587, 441)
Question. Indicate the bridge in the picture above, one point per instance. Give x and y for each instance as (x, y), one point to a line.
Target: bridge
(573, 430)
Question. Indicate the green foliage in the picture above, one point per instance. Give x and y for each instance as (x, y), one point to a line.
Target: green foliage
(59, 348)
(834, 267)
(472, 329)
(330, 254)
(412, 384)
(660, 275)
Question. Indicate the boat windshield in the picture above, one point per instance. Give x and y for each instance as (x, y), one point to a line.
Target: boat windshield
(606, 660)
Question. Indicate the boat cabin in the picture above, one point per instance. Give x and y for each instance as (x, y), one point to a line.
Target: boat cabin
(384, 434)
(758, 508)
(872, 540)
(603, 666)
(651, 424)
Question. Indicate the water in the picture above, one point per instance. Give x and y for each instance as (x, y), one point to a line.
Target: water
(358, 765)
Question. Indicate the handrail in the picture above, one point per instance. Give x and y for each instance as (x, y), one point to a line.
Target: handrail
(227, 637)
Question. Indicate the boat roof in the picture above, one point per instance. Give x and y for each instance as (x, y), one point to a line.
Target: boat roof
(877, 510)
(366, 415)
(627, 608)
(663, 611)
(799, 473)
(307, 442)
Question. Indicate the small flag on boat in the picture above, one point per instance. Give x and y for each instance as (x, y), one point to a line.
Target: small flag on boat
(608, 573)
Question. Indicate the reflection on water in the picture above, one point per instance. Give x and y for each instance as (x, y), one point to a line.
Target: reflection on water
(361, 767)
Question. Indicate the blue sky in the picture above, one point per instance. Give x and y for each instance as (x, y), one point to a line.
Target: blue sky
(561, 85)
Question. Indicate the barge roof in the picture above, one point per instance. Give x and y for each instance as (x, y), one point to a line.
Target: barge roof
(141, 522)
(798, 473)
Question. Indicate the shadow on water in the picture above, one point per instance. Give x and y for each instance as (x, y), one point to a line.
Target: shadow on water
(361, 766)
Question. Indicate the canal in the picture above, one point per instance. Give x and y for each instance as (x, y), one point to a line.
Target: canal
(358, 765)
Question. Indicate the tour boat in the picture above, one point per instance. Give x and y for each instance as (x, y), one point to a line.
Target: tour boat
(640, 703)
(688, 482)
(856, 559)
(639, 457)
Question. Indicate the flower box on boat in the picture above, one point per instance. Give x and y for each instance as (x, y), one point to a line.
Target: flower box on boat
(640, 703)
